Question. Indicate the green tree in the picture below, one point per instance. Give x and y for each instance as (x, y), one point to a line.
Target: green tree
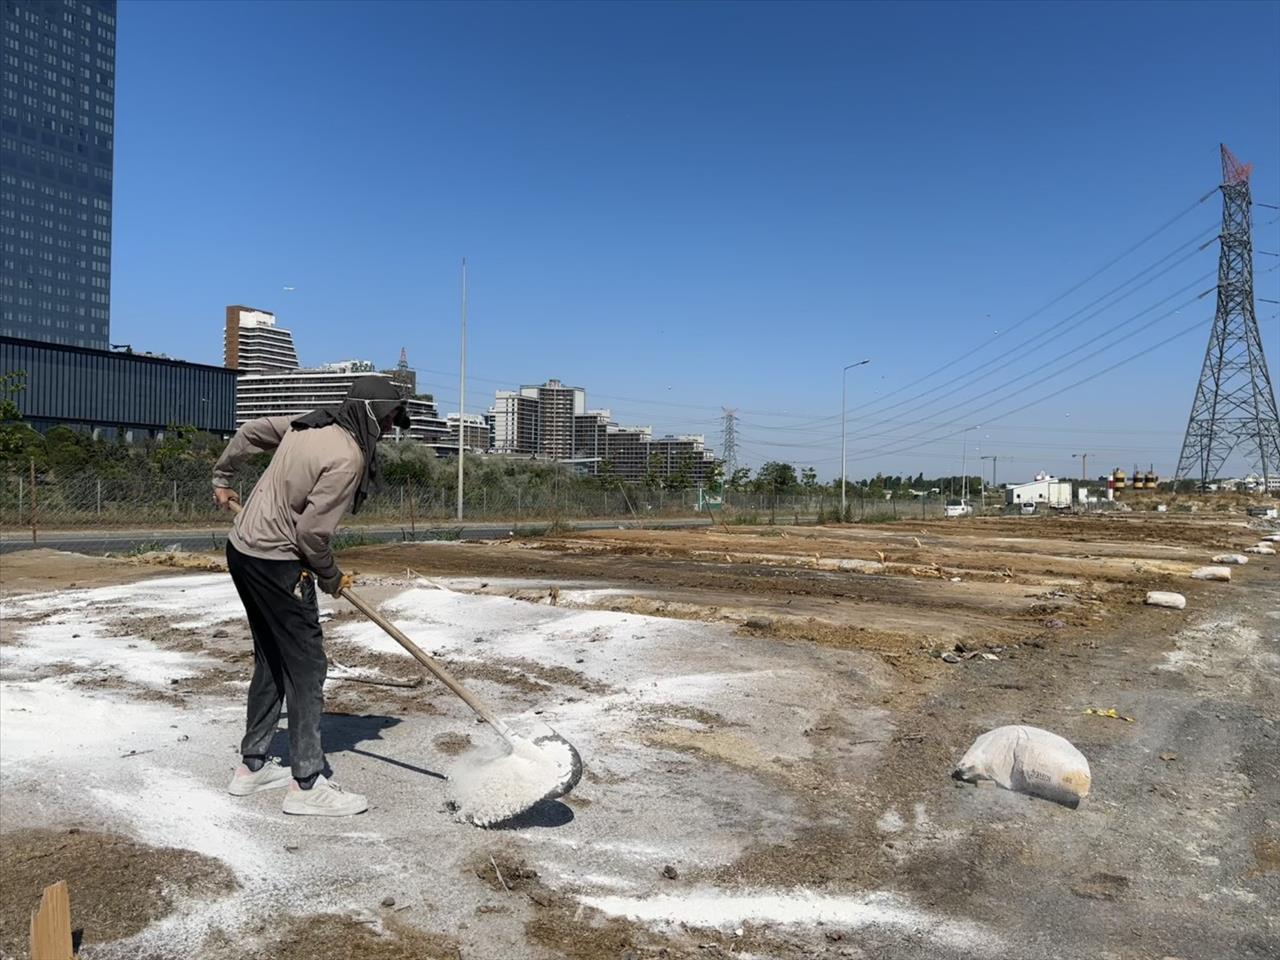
(809, 478)
(740, 482)
(776, 477)
(16, 436)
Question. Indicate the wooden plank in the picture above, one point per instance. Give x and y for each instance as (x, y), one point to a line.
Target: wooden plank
(51, 925)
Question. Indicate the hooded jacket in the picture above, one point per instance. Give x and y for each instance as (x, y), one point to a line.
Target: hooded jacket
(324, 464)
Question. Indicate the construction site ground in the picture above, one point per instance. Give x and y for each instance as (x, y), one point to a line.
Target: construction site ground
(768, 723)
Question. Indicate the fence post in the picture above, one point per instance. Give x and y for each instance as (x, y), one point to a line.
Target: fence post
(99, 496)
(33, 500)
(175, 499)
(21, 491)
(519, 498)
(413, 529)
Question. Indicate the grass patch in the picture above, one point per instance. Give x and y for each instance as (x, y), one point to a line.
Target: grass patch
(346, 539)
(145, 546)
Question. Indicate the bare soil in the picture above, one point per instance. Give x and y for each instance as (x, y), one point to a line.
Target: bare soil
(118, 886)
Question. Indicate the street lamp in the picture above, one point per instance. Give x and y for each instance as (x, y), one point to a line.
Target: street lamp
(844, 463)
(964, 461)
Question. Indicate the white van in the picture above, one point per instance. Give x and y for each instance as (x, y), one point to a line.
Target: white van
(957, 508)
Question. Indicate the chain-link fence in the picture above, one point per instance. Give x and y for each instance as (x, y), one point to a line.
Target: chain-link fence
(91, 502)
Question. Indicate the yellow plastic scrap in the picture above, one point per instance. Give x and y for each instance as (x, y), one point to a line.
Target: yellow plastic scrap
(1099, 712)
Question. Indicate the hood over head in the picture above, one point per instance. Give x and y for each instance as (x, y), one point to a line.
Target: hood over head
(369, 402)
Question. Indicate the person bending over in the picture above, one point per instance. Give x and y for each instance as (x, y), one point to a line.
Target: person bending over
(323, 465)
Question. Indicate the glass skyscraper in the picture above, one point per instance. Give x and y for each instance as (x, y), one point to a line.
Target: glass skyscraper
(57, 123)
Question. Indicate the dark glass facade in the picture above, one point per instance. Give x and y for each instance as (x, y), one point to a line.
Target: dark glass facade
(57, 127)
(125, 392)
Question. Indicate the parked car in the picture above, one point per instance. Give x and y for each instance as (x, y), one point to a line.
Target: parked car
(957, 508)
(1027, 508)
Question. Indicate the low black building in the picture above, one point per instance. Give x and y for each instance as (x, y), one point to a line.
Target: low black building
(110, 392)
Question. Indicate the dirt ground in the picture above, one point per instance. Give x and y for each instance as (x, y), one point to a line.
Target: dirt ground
(769, 719)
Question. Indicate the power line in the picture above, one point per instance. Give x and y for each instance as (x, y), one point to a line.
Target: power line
(1049, 396)
(1070, 290)
(872, 410)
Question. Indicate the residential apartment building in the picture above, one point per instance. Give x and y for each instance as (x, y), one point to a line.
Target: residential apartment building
(551, 421)
(252, 343)
(516, 423)
(57, 129)
(476, 433)
(557, 406)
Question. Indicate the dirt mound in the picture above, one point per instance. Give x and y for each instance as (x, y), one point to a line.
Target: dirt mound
(118, 887)
(332, 937)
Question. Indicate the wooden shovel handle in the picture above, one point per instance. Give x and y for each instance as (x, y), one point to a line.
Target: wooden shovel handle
(438, 671)
(435, 668)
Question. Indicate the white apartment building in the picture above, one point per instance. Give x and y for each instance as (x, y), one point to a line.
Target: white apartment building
(252, 343)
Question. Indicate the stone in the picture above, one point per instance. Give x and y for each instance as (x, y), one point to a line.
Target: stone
(670, 872)
(388, 901)
(950, 657)
(219, 634)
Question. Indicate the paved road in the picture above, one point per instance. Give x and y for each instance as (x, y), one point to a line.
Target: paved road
(193, 538)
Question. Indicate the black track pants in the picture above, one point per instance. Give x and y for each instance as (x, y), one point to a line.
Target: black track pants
(288, 657)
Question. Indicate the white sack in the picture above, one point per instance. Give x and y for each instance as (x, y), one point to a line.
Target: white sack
(1233, 558)
(1266, 549)
(1163, 598)
(1029, 760)
(1211, 573)
(1274, 538)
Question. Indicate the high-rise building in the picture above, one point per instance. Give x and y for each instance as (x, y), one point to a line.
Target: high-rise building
(252, 343)
(57, 129)
(515, 419)
(557, 405)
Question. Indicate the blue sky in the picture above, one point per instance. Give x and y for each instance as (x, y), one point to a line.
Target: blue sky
(686, 206)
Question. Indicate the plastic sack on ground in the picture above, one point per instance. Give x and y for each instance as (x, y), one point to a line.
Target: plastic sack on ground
(1166, 598)
(1239, 559)
(1211, 573)
(1029, 760)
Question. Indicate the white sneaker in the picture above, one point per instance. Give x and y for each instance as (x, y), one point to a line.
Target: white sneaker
(322, 800)
(245, 782)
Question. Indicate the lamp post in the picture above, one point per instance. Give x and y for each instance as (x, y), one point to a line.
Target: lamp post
(844, 463)
(964, 462)
(1084, 464)
(462, 387)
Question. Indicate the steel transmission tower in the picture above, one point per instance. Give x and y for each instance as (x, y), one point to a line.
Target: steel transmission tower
(729, 441)
(1235, 405)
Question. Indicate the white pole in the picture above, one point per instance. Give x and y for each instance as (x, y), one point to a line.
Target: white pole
(844, 464)
(462, 386)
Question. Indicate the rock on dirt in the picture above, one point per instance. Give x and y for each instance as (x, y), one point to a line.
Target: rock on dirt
(1236, 559)
(670, 872)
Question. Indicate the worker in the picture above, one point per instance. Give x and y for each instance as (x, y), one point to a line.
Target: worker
(323, 465)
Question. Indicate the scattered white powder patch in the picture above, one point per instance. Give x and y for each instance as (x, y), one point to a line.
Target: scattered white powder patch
(890, 821)
(497, 782)
(602, 880)
(207, 599)
(922, 817)
(86, 645)
(49, 722)
(173, 809)
(707, 907)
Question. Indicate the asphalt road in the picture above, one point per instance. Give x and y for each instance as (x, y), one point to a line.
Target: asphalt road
(192, 538)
